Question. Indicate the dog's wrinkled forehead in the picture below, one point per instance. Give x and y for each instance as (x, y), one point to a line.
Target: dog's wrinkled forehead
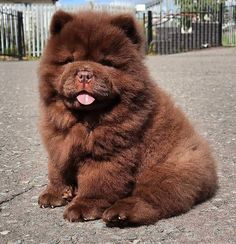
(89, 40)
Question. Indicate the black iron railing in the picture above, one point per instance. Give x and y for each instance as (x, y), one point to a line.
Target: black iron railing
(181, 31)
(12, 41)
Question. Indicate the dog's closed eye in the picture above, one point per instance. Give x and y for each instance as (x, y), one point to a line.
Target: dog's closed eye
(64, 61)
(107, 62)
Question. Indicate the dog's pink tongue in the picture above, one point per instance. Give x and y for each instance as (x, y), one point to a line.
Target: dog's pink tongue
(85, 99)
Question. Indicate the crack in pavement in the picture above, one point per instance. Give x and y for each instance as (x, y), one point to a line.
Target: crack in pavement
(10, 198)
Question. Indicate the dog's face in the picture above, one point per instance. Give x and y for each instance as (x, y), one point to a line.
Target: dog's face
(90, 59)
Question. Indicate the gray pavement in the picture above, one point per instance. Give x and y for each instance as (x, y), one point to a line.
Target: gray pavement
(203, 83)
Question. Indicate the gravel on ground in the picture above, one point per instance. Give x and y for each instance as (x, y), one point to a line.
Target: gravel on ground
(203, 83)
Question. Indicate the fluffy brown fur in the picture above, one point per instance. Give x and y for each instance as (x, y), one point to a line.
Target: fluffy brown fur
(131, 157)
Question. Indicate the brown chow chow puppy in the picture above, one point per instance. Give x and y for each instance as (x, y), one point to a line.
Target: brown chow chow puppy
(118, 148)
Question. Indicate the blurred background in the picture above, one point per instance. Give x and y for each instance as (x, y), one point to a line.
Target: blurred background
(170, 26)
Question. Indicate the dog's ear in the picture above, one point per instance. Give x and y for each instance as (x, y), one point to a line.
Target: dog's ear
(59, 19)
(128, 24)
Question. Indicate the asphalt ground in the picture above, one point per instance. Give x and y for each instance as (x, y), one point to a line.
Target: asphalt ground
(203, 83)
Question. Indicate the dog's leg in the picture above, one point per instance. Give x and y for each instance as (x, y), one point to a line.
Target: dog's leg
(100, 184)
(57, 193)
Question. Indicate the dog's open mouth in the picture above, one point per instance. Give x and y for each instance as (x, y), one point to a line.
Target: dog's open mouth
(85, 99)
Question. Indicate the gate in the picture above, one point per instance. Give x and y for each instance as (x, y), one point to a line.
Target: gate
(229, 24)
(175, 26)
(11, 34)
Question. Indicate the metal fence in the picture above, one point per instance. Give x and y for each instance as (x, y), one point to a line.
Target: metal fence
(37, 17)
(184, 25)
(11, 34)
(229, 24)
(171, 26)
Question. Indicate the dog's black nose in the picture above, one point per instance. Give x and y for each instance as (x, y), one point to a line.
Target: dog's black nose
(85, 76)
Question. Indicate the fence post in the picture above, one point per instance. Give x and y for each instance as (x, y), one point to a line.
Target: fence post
(149, 28)
(144, 20)
(20, 34)
(220, 24)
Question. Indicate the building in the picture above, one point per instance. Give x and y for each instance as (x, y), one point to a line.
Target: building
(29, 1)
(154, 5)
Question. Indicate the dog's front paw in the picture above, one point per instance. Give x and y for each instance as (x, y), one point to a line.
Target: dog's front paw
(82, 209)
(50, 198)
